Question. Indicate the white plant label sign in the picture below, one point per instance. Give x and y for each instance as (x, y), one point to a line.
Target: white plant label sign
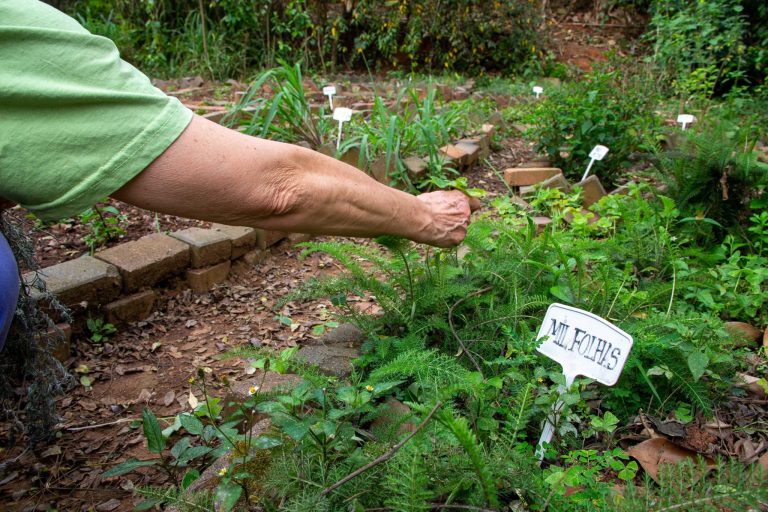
(584, 344)
(329, 90)
(342, 115)
(598, 153)
(538, 90)
(685, 119)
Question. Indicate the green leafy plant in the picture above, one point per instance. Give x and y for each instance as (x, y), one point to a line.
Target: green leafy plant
(104, 225)
(100, 330)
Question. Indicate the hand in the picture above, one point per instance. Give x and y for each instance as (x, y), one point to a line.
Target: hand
(450, 217)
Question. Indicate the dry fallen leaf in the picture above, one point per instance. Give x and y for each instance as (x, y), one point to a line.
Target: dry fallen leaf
(763, 461)
(651, 454)
(169, 398)
(192, 400)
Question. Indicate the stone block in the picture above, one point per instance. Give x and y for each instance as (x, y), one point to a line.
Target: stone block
(482, 142)
(266, 238)
(207, 246)
(620, 191)
(460, 93)
(335, 351)
(541, 223)
(148, 260)
(203, 279)
(521, 177)
(132, 308)
(416, 167)
(85, 279)
(216, 117)
(592, 191)
(471, 150)
(496, 119)
(242, 238)
(352, 157)
(299, 238)
(558, 181)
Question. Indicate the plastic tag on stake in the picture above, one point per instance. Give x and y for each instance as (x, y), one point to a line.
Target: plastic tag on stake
(685, 119)
(538, 90)
(329, 90)
(584, 344)
(342, 115)
(598, 153)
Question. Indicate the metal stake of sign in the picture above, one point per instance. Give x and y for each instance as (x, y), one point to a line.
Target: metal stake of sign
(329, 91)
(342, 115)
(538, 90)
(583, 344)
(685, 119)
(597, 153)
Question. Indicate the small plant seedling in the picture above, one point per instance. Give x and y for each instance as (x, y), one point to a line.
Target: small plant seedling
(100, 330)
(342, 115)
(685, 120)
(329, 91)
(538, 91)
(597, 153)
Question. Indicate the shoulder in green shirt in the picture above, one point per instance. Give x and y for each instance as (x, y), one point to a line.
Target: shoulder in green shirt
(76, 121)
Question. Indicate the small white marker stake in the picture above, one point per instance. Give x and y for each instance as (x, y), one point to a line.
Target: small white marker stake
(597, 153)
(329, 91)
(583, 344)
(538, 90)
(342, 115)
(685, 119)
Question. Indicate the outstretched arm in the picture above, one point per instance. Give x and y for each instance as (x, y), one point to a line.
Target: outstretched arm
(217, 174)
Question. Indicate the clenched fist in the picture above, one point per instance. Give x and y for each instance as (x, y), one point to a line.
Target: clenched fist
(449, 217)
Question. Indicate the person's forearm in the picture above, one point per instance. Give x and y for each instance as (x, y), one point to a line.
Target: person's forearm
(213, 173)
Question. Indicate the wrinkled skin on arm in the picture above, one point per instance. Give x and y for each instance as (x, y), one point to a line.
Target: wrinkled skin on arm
(217, 174)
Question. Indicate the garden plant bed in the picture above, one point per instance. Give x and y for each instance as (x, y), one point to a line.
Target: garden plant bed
(329, 374)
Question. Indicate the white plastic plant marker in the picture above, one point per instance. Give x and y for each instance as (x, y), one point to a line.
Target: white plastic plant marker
(584, 344)
(538, 90)
(598, 153)
(685, 119)
(329, 90)
(342, 115)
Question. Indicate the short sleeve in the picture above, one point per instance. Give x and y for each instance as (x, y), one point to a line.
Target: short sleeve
(76, 122)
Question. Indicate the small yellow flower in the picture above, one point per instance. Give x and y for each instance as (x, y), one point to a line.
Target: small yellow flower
(369, 388)
(223, 472)
(191, 380)
(252, 390)
(540, 380)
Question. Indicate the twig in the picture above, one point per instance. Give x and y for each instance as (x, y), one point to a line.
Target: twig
(384, 457)
(453, 330)
(116, 422)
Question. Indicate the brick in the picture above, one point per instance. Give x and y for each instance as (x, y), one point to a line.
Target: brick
(203, 279)
(379, 170)
(242, 238)
(148, 260)
(298, 238)
(416, 167)
(558, 181)
(488, 130)
(621, 191)
(455, 154)
(132, 308)
(592, 191)
(536, 163)
(541, 223)
(85, 279)
(352, 157)
(460, 93)
(207, 246)
(471, 150)
(266, 238)
(520, 177)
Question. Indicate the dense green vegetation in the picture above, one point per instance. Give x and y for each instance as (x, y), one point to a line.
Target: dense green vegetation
(683, 252)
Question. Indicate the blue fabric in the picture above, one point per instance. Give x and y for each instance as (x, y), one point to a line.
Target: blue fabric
(9, 288)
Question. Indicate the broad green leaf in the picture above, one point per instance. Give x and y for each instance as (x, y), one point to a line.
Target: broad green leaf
(173, 427)
(697, 363)
(191, 424)
(128, 466)
(227, 495)
(265, 443)
(194, 452)
(152, 431)
(147, 504)
(180, 446)
(189, 477)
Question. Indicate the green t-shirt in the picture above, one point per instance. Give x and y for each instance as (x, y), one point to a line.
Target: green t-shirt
(76, 122)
